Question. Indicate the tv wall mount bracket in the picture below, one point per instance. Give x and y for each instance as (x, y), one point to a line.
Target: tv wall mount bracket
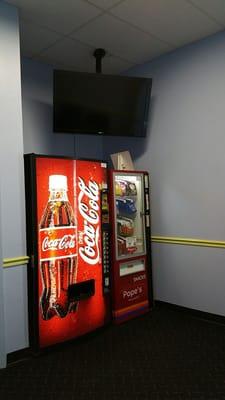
(99, 54)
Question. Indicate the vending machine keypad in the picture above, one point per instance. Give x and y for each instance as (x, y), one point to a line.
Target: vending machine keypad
(105, 241)
(105, 259)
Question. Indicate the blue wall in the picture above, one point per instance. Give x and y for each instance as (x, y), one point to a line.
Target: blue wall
(184, 152)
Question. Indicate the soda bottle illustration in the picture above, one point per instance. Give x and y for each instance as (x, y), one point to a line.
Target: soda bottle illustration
(58, 258)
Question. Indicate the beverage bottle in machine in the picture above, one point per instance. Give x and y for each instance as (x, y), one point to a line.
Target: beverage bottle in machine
(58, 258)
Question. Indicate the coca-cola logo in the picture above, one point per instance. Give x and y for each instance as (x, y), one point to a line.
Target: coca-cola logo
(89, 210)
(63, 243)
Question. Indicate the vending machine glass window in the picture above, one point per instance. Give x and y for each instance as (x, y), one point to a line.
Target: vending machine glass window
(130, 216)
(131, 281)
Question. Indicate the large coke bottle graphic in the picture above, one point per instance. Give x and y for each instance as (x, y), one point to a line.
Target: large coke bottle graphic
(58, 258)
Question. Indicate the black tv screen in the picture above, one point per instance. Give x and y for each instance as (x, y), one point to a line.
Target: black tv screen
(100, 104)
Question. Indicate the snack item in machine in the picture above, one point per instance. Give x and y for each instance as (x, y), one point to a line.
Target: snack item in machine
(125, 188)
(126, 208)
(125, 226)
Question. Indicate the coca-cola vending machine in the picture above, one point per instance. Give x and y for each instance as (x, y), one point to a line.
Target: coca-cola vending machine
(68, 245)
(131, 248)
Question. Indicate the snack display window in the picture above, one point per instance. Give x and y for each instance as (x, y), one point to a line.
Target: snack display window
(129, 212)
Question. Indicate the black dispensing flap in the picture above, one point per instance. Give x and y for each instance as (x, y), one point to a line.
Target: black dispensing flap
(81, 290)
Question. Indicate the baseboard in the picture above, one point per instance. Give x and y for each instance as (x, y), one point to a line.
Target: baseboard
(215, 318)
(19, 355)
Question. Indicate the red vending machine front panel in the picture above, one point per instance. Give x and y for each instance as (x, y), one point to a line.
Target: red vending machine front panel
(70, 299)
(131, 264)
(90, 181)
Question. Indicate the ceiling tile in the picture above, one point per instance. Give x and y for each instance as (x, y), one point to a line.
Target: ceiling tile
(176, 21)
(70, 53)
(34, 39)
(120, 39)
(215, 8)
(114, 65)
(131, 31)
(60, 16)
(104, 4)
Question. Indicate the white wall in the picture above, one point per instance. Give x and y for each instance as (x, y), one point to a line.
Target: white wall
(184, 152)
(2, 322)
(12, 210)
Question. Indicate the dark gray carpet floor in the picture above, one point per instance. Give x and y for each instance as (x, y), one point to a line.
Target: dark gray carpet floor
(164, 355)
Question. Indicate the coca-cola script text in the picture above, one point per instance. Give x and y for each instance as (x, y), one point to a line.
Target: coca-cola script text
(88, 206)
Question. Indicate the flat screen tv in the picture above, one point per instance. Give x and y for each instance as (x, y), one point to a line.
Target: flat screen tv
(100, 104)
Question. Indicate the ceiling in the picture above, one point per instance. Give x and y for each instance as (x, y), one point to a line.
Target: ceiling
(65, 33)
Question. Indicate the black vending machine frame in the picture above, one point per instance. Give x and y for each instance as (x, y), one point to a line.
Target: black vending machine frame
(32, 249)
(147, 204)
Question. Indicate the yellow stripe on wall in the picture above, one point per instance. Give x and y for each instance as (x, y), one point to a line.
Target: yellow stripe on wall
(188, 241)
(13, 262)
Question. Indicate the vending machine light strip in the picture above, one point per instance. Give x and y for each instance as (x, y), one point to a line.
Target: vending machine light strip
(130, 308)
(139, 309)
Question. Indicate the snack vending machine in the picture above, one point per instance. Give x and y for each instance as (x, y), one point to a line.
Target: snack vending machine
(67, 242)
(131, 249)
